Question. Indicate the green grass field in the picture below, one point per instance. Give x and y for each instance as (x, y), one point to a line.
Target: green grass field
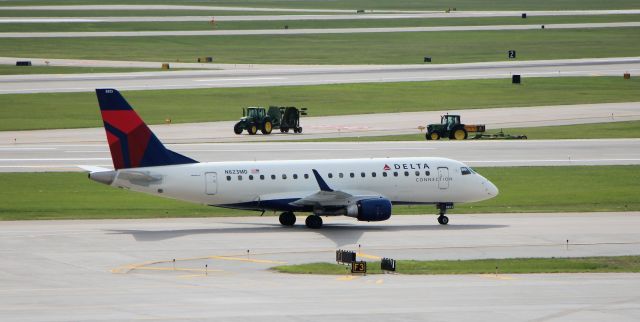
(32, 111)
(374, 48)
(374, 4)
(26, 196)
(130, 13)
(23, 70)
(313, 24)
(612, 130)
(614, 264)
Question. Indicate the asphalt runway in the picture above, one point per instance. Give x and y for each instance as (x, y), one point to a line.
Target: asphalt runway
(293, 17)
(66, 157)
(246, 76)
(284, 32)
(124, 269)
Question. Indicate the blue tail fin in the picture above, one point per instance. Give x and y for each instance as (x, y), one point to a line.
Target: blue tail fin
(131, 142)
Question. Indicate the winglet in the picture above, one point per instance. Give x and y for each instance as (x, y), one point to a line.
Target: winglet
(323, 185)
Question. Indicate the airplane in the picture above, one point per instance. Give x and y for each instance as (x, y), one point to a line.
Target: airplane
(366, 189)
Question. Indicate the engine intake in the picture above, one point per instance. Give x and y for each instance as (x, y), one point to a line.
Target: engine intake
(374, 209)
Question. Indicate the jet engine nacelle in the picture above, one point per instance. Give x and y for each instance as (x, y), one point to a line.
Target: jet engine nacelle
(374, 209)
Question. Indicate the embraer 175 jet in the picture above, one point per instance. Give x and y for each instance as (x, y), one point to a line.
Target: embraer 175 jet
(365, 189)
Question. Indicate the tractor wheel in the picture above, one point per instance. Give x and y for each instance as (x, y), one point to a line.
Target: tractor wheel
(253, 129)
(300, 129)
(433, 136)
(237, 129)
(267, 127)
(459, 134)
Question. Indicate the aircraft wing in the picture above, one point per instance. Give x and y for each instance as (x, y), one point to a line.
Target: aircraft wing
(328, 197)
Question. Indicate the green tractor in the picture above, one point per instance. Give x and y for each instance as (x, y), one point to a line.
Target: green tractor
(256, 119)
(451, 127)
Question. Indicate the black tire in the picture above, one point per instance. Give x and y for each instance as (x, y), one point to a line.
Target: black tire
(443, 220)
(313, 222)
(300, 130)
(267, 127)
(237, 129)
(458, 134)
(285, 130)
(433, 136)
(287, 218)
(252, 129)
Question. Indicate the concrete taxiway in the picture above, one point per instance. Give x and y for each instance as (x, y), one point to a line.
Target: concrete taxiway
(66, 157)
(302, 31)
(124, 269)
(247, 76)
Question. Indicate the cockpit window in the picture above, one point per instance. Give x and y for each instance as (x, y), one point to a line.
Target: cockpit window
(465, 171)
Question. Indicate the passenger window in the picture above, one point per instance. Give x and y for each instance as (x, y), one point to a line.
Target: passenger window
(239, 178)
(295, 176)
(352, 174)
(250, 177)
(228, 178)
(406, 173)
(330, 175)
(284, 176)
(306, 176)
(395, 173)
(341, 175)
(426, 173)
(362, 174)
(417, 173)
(273, 177)
(384, 174)
(465, 171)
(373, 174)
(262, 177)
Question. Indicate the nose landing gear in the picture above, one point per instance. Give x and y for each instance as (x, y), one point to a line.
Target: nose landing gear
(442, 211)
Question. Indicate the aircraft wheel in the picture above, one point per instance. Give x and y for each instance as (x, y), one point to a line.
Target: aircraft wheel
(287, 218)
(443, 220)
(313, 222)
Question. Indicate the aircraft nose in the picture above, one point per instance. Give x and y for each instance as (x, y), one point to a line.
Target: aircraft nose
(490, 188)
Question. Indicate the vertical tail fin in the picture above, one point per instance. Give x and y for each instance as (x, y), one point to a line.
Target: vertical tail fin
(131, 142)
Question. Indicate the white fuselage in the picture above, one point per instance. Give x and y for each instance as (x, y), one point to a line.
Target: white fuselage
(272, 185)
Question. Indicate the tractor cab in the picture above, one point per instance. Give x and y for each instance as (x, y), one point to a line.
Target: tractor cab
(254, 113)
(450, 121)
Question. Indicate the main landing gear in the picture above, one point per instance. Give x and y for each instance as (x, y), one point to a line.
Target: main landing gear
(442, 210)
(288, 218)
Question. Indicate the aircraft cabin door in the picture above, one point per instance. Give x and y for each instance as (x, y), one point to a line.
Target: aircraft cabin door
(211, 183)
(443, 178)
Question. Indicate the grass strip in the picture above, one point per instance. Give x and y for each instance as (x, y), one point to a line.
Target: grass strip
(75, 110)
(28, 70)
(25, 196)
(351, 48)
(610, 130)
(609, 264)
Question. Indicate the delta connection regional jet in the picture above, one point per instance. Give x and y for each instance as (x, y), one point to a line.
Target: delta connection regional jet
(365, 189)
